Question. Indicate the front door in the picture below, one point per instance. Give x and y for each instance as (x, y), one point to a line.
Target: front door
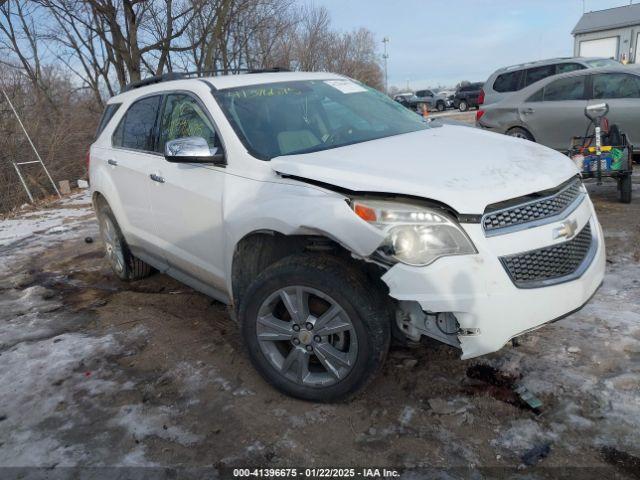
(622, 92)
(186, 199)
(555, 114)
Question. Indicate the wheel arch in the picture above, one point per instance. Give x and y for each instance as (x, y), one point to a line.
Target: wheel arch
(260, 249)
(520, 127)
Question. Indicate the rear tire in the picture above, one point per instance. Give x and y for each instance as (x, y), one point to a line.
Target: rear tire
(463, 106)
(120, 258)
(300, 354)
(518, 132)
(624, 189)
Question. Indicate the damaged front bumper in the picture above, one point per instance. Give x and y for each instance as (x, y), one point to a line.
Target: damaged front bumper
(477, 291)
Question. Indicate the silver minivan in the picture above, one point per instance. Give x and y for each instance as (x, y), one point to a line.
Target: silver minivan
(513, 79)
(551, 112)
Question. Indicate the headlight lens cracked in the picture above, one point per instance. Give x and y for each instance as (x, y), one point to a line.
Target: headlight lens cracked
(415, 235)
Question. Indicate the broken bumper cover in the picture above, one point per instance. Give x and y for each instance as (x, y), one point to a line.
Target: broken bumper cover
(490, 309)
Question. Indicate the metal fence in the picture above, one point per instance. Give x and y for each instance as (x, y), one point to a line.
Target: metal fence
(61, 133)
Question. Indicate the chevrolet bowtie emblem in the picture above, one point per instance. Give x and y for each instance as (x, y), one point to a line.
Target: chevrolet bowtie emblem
(567, 230)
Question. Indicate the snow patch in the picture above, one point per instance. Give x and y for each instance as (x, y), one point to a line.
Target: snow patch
(143, 422)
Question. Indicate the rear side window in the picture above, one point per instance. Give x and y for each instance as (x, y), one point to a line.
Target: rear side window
(137, 128)
(107, 115)
(535, 74)
(616, 85)
(571, 88)
(569, 67)
(508, 82)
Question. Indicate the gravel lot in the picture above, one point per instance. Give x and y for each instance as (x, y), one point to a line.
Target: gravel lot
(96, 372)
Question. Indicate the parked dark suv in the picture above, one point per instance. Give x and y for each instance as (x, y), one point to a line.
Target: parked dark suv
(467, 96)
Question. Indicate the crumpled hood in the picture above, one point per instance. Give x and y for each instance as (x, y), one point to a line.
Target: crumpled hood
(463, 167)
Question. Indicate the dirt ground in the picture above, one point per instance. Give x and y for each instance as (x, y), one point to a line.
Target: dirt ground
(96, 372)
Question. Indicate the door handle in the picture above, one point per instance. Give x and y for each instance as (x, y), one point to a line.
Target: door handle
(528, 110)
(156, 178)
(112, 162)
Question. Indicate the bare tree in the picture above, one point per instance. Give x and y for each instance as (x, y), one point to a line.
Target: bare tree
(20, 39)
(65, 57)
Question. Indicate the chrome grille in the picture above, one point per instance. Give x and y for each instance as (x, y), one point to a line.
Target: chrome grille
(532, 211)
(554, 264)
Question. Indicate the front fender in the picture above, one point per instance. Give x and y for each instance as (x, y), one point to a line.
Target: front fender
(292, 209)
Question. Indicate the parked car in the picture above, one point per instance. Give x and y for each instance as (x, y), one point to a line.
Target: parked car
(551, 111)
(417, 101)
(466, 96)
(448, 97)
(511, 79)
(329, 218)
(404, 98)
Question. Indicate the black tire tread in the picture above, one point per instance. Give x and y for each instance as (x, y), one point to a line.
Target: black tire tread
(135, 269)
(524, 131)
(353, 283)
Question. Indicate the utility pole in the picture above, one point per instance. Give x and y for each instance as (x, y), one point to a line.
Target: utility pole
(385, 57)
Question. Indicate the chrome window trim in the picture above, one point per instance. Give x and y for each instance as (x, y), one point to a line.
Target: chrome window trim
(535, 223)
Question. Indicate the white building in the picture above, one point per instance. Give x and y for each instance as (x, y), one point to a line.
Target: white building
(611, 33)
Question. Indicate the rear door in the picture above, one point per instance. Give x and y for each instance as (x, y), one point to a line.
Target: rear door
(622, 92)
(555, 113)
(474, 93)
(187, 198)
(130, 161)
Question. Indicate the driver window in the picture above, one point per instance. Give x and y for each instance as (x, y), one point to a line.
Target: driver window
(616, 85)
(183, 116)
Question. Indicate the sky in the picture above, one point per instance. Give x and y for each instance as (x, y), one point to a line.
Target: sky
(441, 42)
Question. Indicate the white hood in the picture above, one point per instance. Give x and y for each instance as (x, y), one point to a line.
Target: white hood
(465, 168)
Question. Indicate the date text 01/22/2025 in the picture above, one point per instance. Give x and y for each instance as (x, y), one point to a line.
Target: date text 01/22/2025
(315, 472)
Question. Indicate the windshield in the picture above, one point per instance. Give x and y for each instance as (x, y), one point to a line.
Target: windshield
(312, 115)
(602, 62)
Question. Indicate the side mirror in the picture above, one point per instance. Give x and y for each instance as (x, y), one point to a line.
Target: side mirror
(192, 150)
(597, 110)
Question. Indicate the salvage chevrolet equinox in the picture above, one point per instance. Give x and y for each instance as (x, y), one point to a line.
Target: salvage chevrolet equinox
(332, 219)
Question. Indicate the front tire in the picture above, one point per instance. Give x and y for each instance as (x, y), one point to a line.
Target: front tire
(314, 328)
(121, 261)
(440, 106)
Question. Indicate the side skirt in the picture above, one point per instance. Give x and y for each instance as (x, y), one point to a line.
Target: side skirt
(182, 276)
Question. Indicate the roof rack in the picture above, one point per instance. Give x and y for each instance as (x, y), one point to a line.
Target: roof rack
(184, 75)
(535, 62)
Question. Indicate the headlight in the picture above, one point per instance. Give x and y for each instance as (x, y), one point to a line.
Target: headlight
(415, 235)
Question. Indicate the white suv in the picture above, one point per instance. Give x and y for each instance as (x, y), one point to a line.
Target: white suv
(332, 219)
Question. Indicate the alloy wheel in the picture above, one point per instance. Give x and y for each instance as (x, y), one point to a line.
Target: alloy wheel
(113, 245)
(307, 336)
